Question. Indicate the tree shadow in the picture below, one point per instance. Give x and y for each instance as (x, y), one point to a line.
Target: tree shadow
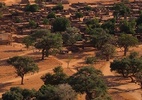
(113, 81)
(3, 86)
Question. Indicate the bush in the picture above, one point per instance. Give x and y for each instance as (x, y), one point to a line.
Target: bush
(51, 15)
(32, 8)
(32, 24)
(90, 60)
(45, 21)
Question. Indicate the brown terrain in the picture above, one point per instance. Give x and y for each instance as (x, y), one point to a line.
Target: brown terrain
(119, 88)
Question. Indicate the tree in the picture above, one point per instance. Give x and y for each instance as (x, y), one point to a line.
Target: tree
(47, 92)
(28, 41)
(60, 24)
(128, 27)
(71, 36)
(59, 77)
(89, 80)
(87, 8)
(59, 92)
(65, 92)
(120, 9)
(17, 93)
(126, 41)
(107, 51)
(78, 15)
(101, 38)
(23, 65)
(32, 8)
(127, 67)
(109, 25)
(48, 42)
(51, 15)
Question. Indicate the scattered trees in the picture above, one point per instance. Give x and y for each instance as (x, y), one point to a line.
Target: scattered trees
(125, 41)
(23, 65)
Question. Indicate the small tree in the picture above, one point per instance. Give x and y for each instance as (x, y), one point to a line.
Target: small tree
(71, 36)
(60, 24)
(28, 41)
(126, 41)
(107, 51)
(78, 15)
(51, 15)
(90, 60)
(23, 65)
(87, 8)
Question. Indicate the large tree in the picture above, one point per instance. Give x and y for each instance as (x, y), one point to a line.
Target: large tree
(23, 65)
(125, 41)
(89, 80)
(127, 67)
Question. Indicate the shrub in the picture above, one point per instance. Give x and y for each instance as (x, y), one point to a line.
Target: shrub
(45, 21)
(90, 60)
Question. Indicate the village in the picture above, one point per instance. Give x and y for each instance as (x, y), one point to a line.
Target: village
(18, 22)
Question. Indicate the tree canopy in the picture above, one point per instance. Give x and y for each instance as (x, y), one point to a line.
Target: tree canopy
(125, 41)
(89, 80)
(23, 65)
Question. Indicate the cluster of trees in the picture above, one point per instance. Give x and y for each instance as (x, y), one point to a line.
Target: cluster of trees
(130, 66)
(59, 86)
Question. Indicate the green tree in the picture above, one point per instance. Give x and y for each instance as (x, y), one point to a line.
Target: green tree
(78, 15)
(51, 15)
(32, 8)
(89, 80)
(87, 8)
(100, 38)
(47, 42)
(128, 27)
(28, 41)
(71, 36)
(125, 41)
(120, 9)
(60, 24)
(17, 93)
(109, 25)
(47, 92)
(23, 65)
(59, 77)
(107, 51)
(127, 67)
